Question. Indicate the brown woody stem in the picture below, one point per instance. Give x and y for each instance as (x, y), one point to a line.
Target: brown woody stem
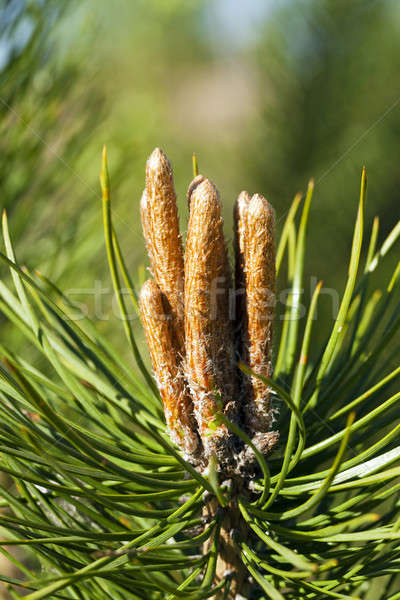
(229, 562)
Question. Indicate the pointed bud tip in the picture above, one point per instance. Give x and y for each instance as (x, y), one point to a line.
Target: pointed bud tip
(198, 179)
(157, 160)
(241, 205)
(203, 189)
(156, 154)
(244, 197)
(259, 206)
(192, 186)
(149, 290)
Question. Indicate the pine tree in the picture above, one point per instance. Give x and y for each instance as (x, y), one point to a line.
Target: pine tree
(107, 502)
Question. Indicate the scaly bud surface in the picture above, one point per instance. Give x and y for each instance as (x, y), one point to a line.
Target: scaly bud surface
(259, 271)
(177, 403)
(161, 231)
(208, 330)
(240, 224)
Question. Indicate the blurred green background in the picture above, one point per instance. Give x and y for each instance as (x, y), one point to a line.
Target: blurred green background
(267, 93)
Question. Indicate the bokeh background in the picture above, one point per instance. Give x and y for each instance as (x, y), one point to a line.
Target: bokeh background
(267, 92)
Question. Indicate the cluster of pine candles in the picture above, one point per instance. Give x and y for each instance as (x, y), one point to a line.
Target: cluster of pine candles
(105, 505)
(199, 324)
